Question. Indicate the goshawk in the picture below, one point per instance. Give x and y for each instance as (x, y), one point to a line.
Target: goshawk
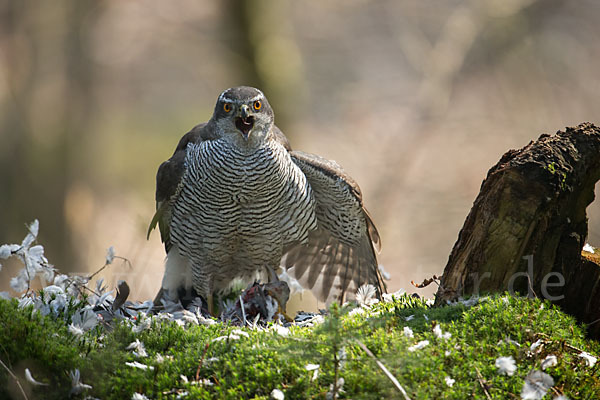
(234, 200)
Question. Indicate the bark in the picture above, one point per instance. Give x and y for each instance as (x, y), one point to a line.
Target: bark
(527, 227)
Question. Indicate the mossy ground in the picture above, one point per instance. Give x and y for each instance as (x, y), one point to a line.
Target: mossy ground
(251, 367)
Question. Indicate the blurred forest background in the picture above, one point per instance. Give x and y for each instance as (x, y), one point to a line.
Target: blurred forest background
(417, 99)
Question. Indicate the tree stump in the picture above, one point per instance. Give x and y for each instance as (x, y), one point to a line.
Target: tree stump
(527, 227)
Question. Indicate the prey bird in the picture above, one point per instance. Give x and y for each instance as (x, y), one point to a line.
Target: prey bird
(234, 202)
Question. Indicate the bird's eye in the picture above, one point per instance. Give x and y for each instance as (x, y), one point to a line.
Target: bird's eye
(227, 107)
(257, 105)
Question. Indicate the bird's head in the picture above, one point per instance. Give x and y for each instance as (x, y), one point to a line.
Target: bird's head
(243, 115)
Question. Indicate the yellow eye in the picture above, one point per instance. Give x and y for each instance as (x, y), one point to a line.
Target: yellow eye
(257, 105)
(227, 107)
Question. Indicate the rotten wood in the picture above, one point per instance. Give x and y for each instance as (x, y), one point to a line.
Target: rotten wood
(527, 227)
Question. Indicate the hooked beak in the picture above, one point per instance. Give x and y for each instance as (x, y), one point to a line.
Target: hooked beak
(244, 122)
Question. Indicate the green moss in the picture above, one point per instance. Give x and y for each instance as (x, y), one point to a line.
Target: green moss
(28, 340)
(251, 367)
(552, 168)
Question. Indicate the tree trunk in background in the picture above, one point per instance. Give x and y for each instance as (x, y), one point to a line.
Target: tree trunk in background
(260, 32)
(527, 227)
(44, 119)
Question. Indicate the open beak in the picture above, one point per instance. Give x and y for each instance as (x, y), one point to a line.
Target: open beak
(244, 122)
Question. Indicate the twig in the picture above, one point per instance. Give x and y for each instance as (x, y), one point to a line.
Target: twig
(336, 374)
(125, 260)
(97, 272)
(244, 322)
(384, 369)
(567, 345)
(531, 286)
(556, 392)
(480, 379)
(16, 380)
(593, 322)
(201, 361)
(426, 282)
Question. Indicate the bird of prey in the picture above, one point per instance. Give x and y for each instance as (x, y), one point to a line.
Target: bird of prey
(234, 201)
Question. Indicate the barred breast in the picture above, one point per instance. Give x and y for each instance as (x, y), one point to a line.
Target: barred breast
(236, 211)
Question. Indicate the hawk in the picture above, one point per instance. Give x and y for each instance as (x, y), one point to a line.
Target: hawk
(234, 201)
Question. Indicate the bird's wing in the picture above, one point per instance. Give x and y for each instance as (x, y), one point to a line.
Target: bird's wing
(168, 179)
(278, 136)
(340, 255)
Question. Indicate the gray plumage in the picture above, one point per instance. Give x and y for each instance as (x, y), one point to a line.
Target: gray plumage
(234, 200)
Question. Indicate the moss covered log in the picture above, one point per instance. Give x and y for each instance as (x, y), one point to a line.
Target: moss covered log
(217, 361)
(528, 225)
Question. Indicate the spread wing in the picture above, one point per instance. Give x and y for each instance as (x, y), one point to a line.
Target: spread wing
(168, 178)
(340, 255)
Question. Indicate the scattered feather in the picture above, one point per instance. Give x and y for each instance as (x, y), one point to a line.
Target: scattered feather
(386, 275)
(280, 330)
(437, 331)
(19, 283)
(139, 350)
(142, 325)
(277, 394)
(204, 321)
(25, 301)
(588, 248)
(536, 385)
(449, 381)
(511, 341)
(535, 345)
(6, 250)
(221, 338)
(83, 320)
(335, 390)
(305, 319)
(76, 385)
(110, 255)
(30, 379)
(470, 302)
(138, 396)
(506, 365)
(234, 335)
(407, 332)
(342, 357)
(314, 368)
(365, 295)
(139, 365)
(240, 332)
(75, 330)
(589, 359)
(419, 346)
(356, 311)
(390, 297)
(549, 361)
